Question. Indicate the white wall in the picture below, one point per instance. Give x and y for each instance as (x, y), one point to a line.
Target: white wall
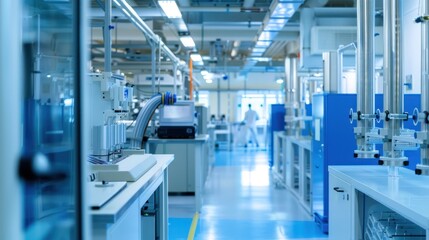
(228, 104)
(411, 44)
(252, 80)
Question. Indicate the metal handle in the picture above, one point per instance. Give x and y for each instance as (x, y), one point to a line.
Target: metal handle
(338, 189)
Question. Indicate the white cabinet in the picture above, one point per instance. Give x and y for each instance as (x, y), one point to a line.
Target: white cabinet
(188, 172)
(340, 205)
(364, 203)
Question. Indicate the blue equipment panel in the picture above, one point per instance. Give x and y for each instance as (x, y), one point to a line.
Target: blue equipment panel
(333, 143)
(277, 123)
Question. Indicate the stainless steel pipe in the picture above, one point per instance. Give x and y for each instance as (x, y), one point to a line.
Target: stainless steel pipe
(107, 37)
(392, 87)
(424, 151)
(291, 94)
(365, 73)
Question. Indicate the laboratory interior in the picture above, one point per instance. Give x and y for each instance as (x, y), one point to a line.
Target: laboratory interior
(214, 119)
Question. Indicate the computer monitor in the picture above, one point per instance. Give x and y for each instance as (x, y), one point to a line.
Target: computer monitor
(182, 113)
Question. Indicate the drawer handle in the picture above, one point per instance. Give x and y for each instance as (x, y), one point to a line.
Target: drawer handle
(337, 189)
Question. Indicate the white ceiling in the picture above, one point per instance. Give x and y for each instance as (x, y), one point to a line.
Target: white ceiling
(211, 23)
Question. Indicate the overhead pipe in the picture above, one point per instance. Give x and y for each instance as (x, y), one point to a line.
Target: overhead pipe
(248, 3)
(132, 15)
(307, 22)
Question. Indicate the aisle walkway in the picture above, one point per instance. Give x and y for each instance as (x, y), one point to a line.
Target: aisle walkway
(241, 202)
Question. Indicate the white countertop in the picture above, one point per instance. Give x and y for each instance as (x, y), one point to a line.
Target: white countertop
(407, 194)
(113, 210)
(199, 138)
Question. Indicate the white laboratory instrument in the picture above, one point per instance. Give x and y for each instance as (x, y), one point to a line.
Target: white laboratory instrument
(129, 169)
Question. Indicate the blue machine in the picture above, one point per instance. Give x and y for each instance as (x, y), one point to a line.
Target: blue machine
(277, 123)
(333, 143)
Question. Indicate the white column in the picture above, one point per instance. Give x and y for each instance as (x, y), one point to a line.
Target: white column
(11, 217)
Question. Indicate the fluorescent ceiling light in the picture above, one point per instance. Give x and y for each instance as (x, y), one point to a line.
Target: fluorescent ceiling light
(261, 44)
(279, 81)
(187, 41)
(275, 24)
(204, 72)
(267, 36)
(256, 54)
(260, 59)
(209, 81)
(196, 57)
(170, 8)
(284, 10)
(258, 50)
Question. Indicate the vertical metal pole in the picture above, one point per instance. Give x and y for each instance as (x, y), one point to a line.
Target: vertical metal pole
(154, 46)
(175, 78)
(218, 95)
(11, 217)
(37, 83)
(107, 37)
(392, 89)
(424, 151)
(191, 82)
(365, 69)
(291, 93)
(81, 109)
(340, 59)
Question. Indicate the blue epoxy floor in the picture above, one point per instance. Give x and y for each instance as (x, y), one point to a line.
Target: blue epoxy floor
(241, 202)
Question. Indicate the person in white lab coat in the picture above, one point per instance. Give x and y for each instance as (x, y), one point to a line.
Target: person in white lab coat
(250, 118)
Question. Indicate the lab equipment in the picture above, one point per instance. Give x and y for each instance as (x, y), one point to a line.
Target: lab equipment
(333, 143)
(129, 168)
(177, 121)
(145, 114)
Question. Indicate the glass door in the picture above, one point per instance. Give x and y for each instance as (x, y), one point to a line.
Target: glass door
(50, 167)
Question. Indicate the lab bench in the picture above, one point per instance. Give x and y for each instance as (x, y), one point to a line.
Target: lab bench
(367, 204)
(188, 172)
(121, 217)
(292, 166)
